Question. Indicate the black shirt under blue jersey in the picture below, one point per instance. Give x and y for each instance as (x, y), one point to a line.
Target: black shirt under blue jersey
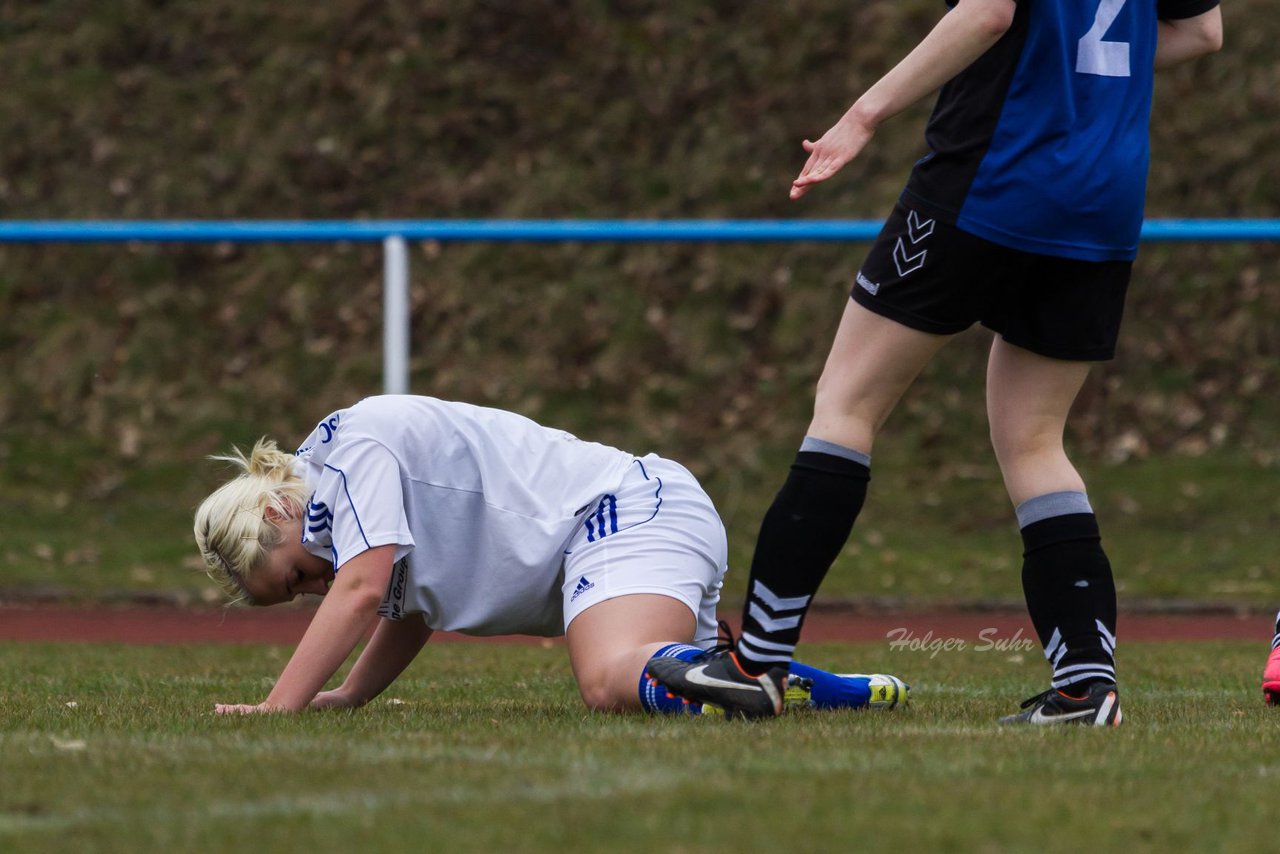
(1042, 143)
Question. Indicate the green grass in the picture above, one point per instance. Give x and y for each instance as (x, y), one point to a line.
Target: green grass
(487, 748)
(1189, 528)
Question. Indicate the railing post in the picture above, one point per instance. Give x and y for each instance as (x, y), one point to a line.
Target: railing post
(395, 316)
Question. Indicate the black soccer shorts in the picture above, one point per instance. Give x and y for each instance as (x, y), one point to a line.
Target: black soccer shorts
(933, 277)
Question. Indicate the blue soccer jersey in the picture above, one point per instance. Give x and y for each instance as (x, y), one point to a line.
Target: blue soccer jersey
(1041, 144)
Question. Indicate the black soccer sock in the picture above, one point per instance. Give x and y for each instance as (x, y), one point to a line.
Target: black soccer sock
(802, 533)
(1275, 638)
(1070, 592)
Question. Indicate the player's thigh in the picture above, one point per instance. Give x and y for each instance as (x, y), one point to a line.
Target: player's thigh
(1029, 395)
(611, 640)
(873, 360)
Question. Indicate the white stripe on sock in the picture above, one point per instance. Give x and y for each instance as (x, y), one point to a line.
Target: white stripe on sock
(1077, 668)
(759, 643)
(747, 653)
(776, 603)
(1108, 639)
(1051, 648)
(1080, 677)
(772, 624)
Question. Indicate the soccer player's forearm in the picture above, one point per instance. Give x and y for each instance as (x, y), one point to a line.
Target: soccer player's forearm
(339, 624)
(964, 34)
(394, 645)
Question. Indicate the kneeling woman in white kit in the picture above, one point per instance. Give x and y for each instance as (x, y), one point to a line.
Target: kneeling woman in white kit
(427, 515)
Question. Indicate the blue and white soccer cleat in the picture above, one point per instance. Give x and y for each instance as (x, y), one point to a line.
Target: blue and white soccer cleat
(813, 689)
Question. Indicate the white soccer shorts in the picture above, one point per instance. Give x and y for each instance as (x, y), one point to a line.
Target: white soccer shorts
(659, 533)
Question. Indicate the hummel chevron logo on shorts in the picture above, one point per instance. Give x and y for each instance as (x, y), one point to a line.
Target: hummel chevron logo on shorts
(908, 260)
(918, 229)
(905, 263)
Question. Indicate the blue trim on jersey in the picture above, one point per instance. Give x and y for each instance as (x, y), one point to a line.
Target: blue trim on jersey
(319, 517)
(354, 514)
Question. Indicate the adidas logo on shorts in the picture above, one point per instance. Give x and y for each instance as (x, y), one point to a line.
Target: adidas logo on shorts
(583, 587)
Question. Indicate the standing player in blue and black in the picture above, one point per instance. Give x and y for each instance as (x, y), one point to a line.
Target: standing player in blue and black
(1024, 217)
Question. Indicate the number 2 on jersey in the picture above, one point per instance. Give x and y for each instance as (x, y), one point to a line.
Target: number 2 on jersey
(1104, 58)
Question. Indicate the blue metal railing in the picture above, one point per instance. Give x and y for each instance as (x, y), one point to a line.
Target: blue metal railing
(537, 230)
(395, 233)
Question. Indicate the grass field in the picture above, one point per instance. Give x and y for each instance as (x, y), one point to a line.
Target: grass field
(1203, 528)
(112, 748)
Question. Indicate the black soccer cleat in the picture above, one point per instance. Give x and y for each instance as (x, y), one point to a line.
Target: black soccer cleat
(716, 679)
(1100, 706)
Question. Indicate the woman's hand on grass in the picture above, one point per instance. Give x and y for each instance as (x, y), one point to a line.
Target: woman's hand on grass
(335, 699)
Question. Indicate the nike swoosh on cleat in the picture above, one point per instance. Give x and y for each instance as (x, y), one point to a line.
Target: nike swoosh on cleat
(698, 677)
(1039, 717)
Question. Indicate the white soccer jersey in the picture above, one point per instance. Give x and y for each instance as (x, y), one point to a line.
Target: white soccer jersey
(480, 504)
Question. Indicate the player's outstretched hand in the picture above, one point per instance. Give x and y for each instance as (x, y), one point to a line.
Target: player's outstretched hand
(244, 709)
(830, 153)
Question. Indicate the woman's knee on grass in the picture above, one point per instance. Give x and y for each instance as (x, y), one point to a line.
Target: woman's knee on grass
(605, 691)
(610, 642)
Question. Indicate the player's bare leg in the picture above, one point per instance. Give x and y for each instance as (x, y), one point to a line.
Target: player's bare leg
(1028, 399)
(872, 362)
(1065, 575)
(610, 642)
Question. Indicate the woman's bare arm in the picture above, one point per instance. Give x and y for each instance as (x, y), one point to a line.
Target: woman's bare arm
(395, 643)
(964, 34)
(341, 622)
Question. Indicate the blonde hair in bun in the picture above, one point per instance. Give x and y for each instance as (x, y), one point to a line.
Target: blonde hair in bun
(232, 530)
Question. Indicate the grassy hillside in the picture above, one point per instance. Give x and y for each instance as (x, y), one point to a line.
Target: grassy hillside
(121, 366)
